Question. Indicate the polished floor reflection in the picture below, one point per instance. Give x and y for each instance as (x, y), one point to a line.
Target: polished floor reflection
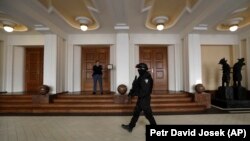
(99, 128)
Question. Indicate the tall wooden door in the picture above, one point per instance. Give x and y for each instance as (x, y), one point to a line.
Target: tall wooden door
(156, 59)
(89, 57)
(33, 69)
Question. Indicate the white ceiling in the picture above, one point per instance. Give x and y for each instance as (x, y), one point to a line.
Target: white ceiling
(129, 12)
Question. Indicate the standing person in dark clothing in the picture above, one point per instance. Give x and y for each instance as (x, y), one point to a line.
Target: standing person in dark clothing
(97, 76)
(141, 87)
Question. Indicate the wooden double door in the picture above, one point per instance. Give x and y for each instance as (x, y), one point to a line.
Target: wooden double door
(156, 59)
(89, 56)
(33, 68)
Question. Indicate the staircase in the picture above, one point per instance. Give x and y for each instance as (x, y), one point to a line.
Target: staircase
(16, 104)
(97, 104)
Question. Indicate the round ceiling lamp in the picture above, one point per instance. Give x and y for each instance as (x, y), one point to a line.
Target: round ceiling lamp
(160, 22)
(8, 25)
(234, 23)
(160, 27)
(84, 27)
(84, 22)
(233, 28)
(8, 28)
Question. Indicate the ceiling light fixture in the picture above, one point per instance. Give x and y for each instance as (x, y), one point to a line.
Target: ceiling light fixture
(160, 22)
(233, 28)
(84, 22)
(8, 28)
(84, 27)
(234, 23)
(160, 26)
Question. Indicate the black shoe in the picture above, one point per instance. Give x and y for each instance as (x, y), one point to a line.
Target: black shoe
(101, 93)
(94, 93)
(126, 127)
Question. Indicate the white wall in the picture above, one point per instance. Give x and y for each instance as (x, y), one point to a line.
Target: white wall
(172, 41)
(192, 55)
(158, 39)
(17, 40)
(233, 40)
(25, 40)
(192, 62)
(54, 61)
(122, 59)
(211, 69)
(56, 49)
(50, 64)
(73, 54)
(112, 60)
(246, 36)
(18, 69)
(132, 53)
(77, 69)
(1, 66)
(211, 39)
(61, 63)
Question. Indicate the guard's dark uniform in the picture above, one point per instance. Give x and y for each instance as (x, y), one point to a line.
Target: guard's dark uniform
(143, 89)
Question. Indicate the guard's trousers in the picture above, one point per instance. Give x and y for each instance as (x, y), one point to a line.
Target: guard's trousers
(143, 104)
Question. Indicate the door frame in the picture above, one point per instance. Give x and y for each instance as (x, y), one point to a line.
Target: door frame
(166, 63)
(108, 88)
(25, 67)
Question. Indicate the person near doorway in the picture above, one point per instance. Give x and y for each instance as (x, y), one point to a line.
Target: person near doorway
(141, 87)
(97, 76)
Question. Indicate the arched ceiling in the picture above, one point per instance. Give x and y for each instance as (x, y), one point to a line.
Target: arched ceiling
(134, 16)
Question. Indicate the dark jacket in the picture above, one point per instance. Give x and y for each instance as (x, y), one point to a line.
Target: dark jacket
(145, 85)
(142, 86)
(97, 70)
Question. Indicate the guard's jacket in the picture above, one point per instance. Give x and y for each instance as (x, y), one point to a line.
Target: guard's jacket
(142, 86)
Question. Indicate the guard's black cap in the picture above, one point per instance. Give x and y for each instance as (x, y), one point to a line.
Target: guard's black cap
(142, 66)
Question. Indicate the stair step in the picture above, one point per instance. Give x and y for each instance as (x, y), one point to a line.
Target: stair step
(97, 104)
(10, 97)
(154, 100)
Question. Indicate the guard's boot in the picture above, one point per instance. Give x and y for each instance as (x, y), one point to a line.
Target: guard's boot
(127, 127)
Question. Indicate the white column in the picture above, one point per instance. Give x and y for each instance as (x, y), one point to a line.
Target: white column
(77, 68)
(112, 71)
(50, 62)
(2, 66)
(18, 69)
(171, 68)
(9, 69)
(122, 59)
(61, 63)
(70, 67)
(174, 68)
(178, 67)
(133, 60)
(192, 62)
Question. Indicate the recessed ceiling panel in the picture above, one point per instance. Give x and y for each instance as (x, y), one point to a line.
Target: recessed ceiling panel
(71, 10)
(240, 17)
(172, 10)
(7, 20)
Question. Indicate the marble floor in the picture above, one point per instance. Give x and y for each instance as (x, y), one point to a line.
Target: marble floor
(99, 128)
